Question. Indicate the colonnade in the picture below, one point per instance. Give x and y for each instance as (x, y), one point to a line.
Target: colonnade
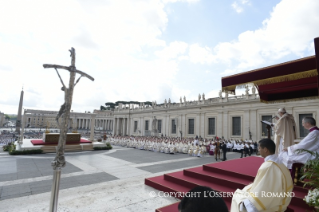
(103, 124)
(121, 126)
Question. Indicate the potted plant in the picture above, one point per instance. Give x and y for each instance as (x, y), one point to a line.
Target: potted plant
(310, 178)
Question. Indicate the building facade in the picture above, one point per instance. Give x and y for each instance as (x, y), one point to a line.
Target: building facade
(237, 117)
(103, 120)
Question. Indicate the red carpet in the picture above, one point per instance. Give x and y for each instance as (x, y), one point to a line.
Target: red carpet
(40, 142)
(223, 177)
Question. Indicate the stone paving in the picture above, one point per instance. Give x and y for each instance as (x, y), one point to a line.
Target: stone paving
(98, 180)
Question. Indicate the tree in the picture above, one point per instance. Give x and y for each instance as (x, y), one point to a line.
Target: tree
(7, 117)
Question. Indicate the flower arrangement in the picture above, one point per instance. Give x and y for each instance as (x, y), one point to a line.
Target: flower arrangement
(310, 177)
(312, 198)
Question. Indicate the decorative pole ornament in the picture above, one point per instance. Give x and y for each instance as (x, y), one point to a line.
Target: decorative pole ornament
(64, 113)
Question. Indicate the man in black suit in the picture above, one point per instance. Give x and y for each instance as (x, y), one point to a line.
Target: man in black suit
(224, 148)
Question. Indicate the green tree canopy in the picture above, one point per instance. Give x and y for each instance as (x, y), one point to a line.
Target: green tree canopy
(111, 105)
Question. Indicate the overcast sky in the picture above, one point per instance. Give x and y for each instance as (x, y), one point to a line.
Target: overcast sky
(144, 50)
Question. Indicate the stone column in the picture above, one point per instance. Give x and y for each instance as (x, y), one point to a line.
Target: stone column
(197, 126)
(219, 124)
(92, 127)
(202, 127)
(118, 126)
(226, 126)
(253, 124)
(124, 126)
(246, 124)
(114, 126)
(128, 129)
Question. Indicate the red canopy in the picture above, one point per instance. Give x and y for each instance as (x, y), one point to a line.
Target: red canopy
(293, 80)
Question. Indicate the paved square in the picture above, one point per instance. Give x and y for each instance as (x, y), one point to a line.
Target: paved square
(110, 180)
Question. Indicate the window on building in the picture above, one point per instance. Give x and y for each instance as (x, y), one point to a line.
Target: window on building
(190, 126)
(146, 125)
(159, 126)
(303, 132)
(135, 126)
(264, 130)
(211, 126)
(173, 126)
(236, 126)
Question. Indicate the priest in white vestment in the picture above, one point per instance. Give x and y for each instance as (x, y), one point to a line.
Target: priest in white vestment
(310, 142)
(272, 187)
(285, 130)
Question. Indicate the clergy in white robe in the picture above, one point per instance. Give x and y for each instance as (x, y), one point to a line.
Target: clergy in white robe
(310, 142)
(262, 195)
(285, 130)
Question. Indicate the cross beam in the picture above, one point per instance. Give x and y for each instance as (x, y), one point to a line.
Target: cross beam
(59, 161)
(69, 69)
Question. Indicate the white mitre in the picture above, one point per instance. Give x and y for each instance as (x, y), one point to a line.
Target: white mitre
(282, 110)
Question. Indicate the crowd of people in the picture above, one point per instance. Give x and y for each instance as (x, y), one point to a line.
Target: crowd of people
(193, 147)
(6, 139)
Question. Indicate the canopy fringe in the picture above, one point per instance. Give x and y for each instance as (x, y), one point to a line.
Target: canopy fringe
(284, 78)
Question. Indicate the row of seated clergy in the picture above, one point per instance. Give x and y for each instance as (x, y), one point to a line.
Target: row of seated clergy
(197, 151)
(275, 170)
(165, 147)
(291, 156)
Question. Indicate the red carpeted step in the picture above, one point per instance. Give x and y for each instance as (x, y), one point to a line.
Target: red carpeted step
(200, 172)
(299, 205)
(219, 185)
(169, 208)
(174, 207)
(246, 166)
(222, 177)
(161, 184)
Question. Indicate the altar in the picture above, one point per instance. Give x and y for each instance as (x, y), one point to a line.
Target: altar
(53, 138)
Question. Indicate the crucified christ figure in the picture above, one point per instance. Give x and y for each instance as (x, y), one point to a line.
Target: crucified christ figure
(66, 107)
(64, 112)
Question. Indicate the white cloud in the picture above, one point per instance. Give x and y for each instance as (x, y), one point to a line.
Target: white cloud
(120, 44)
(238, 5)
(290, 29)
(229, 72)
(173, 50)
(212, 94)
(113, 42)
(173, 1)
(201, 55)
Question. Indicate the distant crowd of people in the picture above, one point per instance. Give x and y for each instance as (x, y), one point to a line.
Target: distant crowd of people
(6, 139)
(193, 147)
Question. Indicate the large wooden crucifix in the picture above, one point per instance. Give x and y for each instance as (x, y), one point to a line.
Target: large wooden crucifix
(59, 160)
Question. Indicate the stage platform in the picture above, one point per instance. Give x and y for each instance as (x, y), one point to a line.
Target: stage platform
(222, 177)
(86, 145)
